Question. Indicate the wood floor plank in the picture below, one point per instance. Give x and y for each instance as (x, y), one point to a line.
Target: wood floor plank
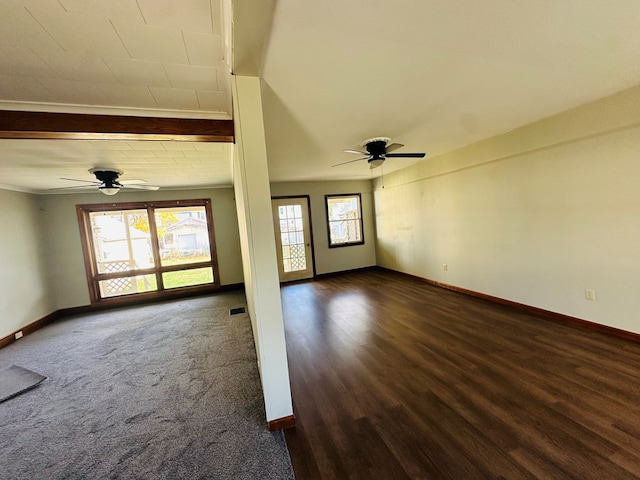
(390, 425)
(395, 378)
(462, 437)
(302, 456)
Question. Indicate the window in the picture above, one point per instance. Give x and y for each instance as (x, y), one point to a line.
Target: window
(292, 238)
(151, 249)
(344, 220)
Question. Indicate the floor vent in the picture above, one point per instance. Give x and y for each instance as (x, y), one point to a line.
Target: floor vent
(236, 311)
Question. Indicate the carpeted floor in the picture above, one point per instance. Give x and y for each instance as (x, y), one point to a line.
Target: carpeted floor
(165, 391)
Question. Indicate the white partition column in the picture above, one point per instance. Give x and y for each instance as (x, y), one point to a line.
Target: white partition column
(253, 201)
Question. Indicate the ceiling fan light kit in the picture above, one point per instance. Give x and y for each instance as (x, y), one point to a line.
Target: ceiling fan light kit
(377, 151)
(109, 190)
(376, 162)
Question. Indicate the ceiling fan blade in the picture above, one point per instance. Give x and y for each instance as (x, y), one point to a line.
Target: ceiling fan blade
(140, 187)
(406, 155)
(131, 182)
(87, 187)
(78, 180)
(350, 161)
(349, 150)
(394, 146)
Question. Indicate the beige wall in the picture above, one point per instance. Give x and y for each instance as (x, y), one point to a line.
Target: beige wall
(535, 216)
(328, 260)
(64, 252)
(24, 287)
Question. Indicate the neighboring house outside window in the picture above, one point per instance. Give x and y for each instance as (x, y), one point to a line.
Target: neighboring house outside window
(344, 220)
(187, 237)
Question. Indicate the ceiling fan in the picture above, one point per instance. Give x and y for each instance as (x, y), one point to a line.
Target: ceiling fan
(377, 151)
(108, 182)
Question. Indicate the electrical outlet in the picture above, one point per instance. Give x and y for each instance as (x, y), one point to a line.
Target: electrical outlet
(590, 294)
(18, 335)
(445, 267)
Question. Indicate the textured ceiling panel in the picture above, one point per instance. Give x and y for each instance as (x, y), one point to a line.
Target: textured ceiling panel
(24, 62)
(20, 29)
(40, 165)
(81, 33)
(215, 101)
(133, 57)
(133, 95)
(191, 76)
(17, 88)
(175, 98)
(74, 91)
(190, 15)
(202, 49)
(138, 72)
(83, 67)
(117, 9)
(124, 43)
(148, 42)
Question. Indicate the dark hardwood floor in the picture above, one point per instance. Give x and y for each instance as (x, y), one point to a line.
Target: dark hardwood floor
(393, 378)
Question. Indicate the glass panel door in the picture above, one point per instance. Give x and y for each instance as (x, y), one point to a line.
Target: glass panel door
(293, 241)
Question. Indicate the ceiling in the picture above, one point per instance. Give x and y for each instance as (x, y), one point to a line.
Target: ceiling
(434, 75)
(121, 57)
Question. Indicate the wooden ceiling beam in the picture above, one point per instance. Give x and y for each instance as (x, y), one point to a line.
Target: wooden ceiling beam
(77, 126)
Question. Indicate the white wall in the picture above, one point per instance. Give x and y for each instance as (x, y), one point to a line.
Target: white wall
(328, 260)
(535, 216)
(24, 290)
(64, 251)
(251, 181)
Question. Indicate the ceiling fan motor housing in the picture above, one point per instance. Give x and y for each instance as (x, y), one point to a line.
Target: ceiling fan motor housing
(377, 148)
(108, 177)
